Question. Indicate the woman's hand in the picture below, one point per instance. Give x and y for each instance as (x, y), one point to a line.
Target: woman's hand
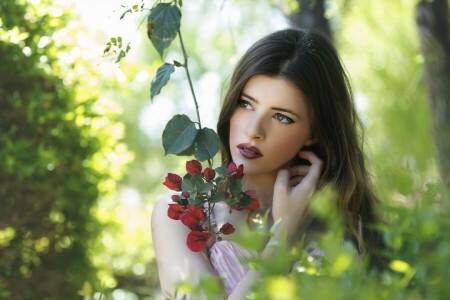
(292, 193)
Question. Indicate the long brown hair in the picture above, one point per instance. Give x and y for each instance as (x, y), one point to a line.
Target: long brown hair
(311, 62)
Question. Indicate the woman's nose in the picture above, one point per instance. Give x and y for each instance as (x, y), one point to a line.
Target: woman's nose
(255, 128)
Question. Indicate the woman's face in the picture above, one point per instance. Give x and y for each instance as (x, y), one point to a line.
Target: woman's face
(272, 116)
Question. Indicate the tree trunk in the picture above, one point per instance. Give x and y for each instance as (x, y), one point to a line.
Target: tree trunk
(311, 16)
(434, 30)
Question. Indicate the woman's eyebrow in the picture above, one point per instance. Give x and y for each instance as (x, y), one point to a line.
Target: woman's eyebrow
(273, 107)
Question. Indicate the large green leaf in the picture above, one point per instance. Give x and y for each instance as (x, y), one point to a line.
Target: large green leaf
(178, 135)
(206, 144)
(164, 24)
(161, 79)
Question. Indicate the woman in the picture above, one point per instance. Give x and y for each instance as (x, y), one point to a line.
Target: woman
(289, 118)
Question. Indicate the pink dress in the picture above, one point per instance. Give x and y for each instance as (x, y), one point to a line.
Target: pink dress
(226, 259)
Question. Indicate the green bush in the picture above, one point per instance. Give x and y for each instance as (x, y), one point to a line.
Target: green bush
(54, 158)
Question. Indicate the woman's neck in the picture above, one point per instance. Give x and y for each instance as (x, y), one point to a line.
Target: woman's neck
(263, 185)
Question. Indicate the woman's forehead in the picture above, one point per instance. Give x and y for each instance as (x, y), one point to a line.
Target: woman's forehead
(278, 91)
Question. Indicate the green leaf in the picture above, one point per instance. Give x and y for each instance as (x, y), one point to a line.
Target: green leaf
(219, 196)
(236, 187)
(197, 201)
(165, 20)
(222, 171)
(186, 185)
(178, 135)
(161, 79)
(244, 199)
(206, 187)
(197, 181)
(206, 144)
(188, 152)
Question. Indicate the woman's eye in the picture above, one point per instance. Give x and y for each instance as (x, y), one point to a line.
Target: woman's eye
(244, 104)
(283, 119)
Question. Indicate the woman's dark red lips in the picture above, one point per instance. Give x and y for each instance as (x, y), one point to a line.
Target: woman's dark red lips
(251, 148)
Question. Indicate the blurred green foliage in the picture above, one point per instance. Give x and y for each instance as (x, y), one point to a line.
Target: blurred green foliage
(59, 154)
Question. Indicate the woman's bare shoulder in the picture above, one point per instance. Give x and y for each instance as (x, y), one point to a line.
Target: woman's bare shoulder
(161, 223)
(176, 263)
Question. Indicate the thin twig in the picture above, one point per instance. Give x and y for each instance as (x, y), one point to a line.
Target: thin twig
(186, 68)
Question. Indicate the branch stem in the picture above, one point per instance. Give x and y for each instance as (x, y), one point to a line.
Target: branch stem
(186, 68)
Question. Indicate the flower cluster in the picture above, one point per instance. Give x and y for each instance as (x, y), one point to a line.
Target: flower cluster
(200, 190)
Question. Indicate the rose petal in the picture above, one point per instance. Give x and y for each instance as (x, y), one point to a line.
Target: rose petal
(189, 219)
(197, 212)
(254, 204)
(227, 228)
(209, 174)
(197, 240)
(194, 167)
(175, 210)
(173, 182)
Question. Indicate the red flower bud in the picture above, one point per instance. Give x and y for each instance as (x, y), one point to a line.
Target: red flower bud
(254, 204)
(235, 172)
(209, 174)
(175, 198)
(175, 210)
(250, 192)
(185, 194)
(197, 240)
(173, 182)
(193, 167)
(227, 228)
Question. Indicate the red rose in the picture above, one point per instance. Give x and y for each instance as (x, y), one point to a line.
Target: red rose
(254, 204)
(193, 216)
(175, 210)
(173, 182)
(198, 212)
(197, 240)
(188, 219)
(209, 174)
(235, 172)
(193, 167)
(227, 228)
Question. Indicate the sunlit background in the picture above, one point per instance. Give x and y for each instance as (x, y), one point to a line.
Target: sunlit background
(379, 45)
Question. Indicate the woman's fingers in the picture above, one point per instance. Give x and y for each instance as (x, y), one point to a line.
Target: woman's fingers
(294, 181)
(299, 170)
(312, 177)
(282, 181)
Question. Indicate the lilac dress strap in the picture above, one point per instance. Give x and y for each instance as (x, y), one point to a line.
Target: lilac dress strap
(227, 260)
